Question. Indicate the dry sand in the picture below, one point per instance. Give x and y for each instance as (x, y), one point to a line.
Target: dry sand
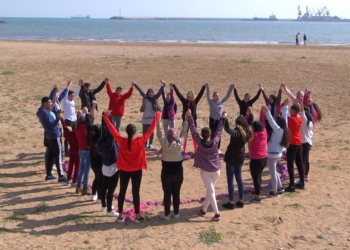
(36, 214)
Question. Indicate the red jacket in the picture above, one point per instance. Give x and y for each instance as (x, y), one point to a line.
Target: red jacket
(294, 125)
(135, 159)
(81, 134)
(117, 102)
(72, 139)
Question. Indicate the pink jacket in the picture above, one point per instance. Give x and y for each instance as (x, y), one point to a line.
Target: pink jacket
(258, 146)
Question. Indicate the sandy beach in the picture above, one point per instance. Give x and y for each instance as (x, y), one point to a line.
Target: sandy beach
(36, 214)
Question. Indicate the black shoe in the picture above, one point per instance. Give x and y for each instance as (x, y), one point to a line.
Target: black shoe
(239, 204)
(50, 177)
(228, 205)
(300, 186)
(290, 189)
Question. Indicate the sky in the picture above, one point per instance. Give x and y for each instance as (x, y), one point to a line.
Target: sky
(168, 8)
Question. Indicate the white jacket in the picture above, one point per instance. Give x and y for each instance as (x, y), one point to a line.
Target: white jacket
(274, 148)
(171, 152)
(306, 131)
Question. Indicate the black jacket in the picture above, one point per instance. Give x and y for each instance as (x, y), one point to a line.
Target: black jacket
(189, 105)
(235, 152)
(107, 146)
(87, 98)
(243, 106)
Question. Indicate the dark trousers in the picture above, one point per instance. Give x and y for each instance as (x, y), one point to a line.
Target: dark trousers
(98, 181)
(136, 177)
(171, 184)
(256, 167)
(73, 126)
(109, 185)
(144, 130)
(305, 152)
(52, 156)
(213, 125)
(294, 155)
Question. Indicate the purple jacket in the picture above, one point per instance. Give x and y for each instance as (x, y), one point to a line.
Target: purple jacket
(169, 110)
(206, 158)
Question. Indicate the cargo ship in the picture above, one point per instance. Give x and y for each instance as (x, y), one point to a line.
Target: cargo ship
(81, 17)
(271, 18)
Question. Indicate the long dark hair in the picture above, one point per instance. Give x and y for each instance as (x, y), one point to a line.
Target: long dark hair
(94, 135)
(308, 116)
(130, 130)
(286, 133)
(244, 128)
(206, 133)
(318, 110)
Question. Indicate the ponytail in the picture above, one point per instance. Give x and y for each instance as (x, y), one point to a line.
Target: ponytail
(130, 130)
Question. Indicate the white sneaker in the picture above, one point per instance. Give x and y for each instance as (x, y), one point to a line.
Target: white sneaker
(161, 215)
(69, 183)
(176, 216)
(112, 213)
(93, 197)
(52, 172)
(98, 201)
(219, 152)
(104, 209)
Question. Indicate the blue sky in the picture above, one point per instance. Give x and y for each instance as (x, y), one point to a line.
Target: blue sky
(167, 8)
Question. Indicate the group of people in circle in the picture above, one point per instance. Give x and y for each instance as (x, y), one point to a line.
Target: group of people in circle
(282, 126)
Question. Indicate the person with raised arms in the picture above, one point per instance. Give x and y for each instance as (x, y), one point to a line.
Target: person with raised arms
(82, 132)
(215, 109)
(149, 108)
(234, 158)
(189, 103)
(278, 140)
(246, 102)
(131, 161)
(169, 110)
(69, 114)
(172, 170)
(273, 102)
(207, 159)
(117, 102)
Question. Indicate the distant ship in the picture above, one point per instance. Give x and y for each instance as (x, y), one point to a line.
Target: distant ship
(81, 17)
(271, 18)
(2, 21)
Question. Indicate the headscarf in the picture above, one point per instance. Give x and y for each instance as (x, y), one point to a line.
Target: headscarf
(171, 135)
(152, 99)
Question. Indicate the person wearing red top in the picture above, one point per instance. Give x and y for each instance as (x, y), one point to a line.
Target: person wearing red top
(258, 155)
(82, 132)
(131, 160)
(294, 150)
(74, 161)
(117, 102)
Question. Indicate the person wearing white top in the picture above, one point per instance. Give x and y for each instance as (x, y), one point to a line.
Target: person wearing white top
(70, 117)
(279, 136)
(307, 133)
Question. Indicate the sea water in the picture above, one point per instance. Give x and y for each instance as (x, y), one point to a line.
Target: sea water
(177, 31)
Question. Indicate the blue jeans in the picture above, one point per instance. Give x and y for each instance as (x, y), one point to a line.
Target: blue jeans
(85, 165)
(231, 172)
